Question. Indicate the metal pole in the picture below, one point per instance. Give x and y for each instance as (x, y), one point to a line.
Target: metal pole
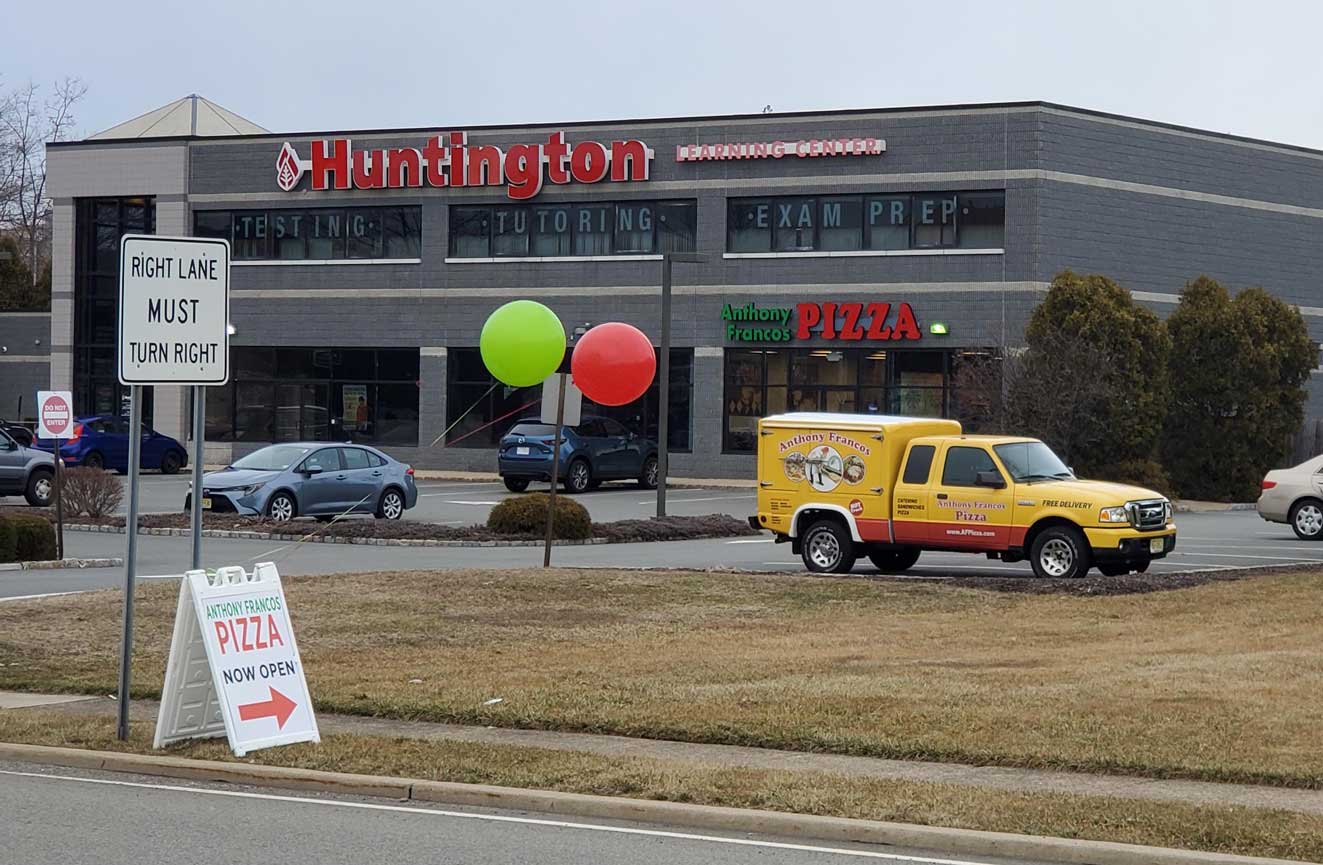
(555, 469)
(195, 501)
(664, 389)
(130, 559)
(59, 501)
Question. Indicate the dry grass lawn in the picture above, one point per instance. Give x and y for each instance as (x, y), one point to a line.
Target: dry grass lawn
(1245, 831)
(1220, 681)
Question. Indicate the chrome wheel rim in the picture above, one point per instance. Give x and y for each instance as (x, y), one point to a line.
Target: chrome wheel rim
(1056, 557)
(579, 476)
(282, 509)
(42, 488)
(1309, 520)
(392, 507)
(650, 473)
(824, 550)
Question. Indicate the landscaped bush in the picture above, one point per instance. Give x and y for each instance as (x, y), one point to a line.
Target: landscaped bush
(8, 541)
(92, 492)
(527, 515)
(34, 537)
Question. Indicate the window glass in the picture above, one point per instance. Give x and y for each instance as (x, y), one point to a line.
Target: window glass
(254, 411)
(354, 363)
(326, 459)
(919, 464)
(315, 234)
(287, 236)
(510, 231)
(532, 428)
(354, 458)
(634, 228)
(841, 222)
(983, 220)
(398, 365)
(551, 231)
(888, 221)
(469, 232)
(590, 428)
(677, 226)
(363, 237)
(963, 465)
(594, 226)
(749, 226)
(376, 460)
(795, 221)
(934, 220)
(212, 223)
(250, 239)
(397, 414)
(402, 231)
(613, 428)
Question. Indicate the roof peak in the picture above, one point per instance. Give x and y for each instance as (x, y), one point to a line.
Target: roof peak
(189, 115)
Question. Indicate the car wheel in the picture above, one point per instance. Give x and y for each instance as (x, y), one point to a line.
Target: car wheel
(894, 561)
(94, 461)
(1307, 519)
(648, 477)
(579, 477)
(282, 508)
(41, 489)
(391, 506)
(827, 548)
(170, 463)
(516, 485)
(1059, 553)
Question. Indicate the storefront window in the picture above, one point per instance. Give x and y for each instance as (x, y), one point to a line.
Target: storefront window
(934, 219)
(888, 221)
(842, 220)
(315, 234)
(795, 225)
(983, 220)
(749, 226)
(623, 228)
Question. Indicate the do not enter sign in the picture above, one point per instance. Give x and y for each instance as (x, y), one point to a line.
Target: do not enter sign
(54, 414)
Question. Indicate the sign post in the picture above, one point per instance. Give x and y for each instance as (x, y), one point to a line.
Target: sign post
(555, 465)
(174, 312)
(55, 421)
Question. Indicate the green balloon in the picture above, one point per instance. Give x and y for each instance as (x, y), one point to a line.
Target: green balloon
(522, 343)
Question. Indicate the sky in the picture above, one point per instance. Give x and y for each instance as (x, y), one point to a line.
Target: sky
(1246, 68)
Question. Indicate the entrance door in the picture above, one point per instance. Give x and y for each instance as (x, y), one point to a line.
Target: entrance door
(909, 510)
(972, 505)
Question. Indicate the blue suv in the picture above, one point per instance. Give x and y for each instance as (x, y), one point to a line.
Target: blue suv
(598, 449)
(102, 442)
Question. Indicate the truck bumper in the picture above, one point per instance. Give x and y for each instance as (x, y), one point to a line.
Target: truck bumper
(1128, 545)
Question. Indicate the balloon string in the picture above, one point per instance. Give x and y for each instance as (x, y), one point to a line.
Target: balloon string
(447, 430)
(496, 421)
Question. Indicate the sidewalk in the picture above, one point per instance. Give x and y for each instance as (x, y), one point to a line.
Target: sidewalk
(730, 756)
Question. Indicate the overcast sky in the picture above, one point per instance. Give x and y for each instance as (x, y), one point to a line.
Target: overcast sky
(1247, 68)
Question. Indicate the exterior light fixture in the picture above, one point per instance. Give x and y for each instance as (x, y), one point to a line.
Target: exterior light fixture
(937, 328)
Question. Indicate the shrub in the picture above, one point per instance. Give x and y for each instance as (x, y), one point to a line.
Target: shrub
(34, 538)
(8, 540)
(1142, 473)
(527, 515)
(91, 491)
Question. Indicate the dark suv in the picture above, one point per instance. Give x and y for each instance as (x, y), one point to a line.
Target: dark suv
(598, 449)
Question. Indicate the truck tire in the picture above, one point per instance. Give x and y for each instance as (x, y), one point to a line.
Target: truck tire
(827, 548)
(40, 491)
(894, 561)
(1059, 553)
(1307, 519)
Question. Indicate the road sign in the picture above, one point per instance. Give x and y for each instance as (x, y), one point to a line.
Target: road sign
(234, 667)
(54, 414)
(174, 310)
(573, 400)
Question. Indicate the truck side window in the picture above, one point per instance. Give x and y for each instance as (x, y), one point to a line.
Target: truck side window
(919, 465)
(963, 465)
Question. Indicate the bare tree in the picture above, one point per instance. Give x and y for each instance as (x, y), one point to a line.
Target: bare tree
(27, 123)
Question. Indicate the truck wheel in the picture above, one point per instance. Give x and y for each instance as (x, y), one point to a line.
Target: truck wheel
(827, 548)
(894, 561)
(1059, 553)
(1307, 519)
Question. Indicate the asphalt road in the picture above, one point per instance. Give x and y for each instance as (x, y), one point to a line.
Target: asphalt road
(55, 815)
(1206, 542)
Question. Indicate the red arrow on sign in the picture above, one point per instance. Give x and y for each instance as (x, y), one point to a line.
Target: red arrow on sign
(279, 707)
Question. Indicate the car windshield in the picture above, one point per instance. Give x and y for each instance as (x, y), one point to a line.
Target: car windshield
(1032, 461)
(271, 459)
(531, 429)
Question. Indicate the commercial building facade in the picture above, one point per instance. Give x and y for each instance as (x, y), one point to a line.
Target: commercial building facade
(853, 261)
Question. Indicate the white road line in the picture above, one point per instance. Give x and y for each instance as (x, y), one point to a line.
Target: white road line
(47, 595)
(1200, 555)
(753, 541)
(498, 818)
(465, 502)
(1263, 547)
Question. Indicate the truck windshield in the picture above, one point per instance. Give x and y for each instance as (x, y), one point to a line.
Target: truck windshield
(1032, 461)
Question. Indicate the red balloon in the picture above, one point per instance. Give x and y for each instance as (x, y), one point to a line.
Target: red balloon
(613, 363)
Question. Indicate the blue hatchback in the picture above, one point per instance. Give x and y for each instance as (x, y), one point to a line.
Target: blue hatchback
(598, 449)
(102, 442)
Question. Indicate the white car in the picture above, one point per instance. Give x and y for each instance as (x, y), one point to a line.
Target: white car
(1295, 496)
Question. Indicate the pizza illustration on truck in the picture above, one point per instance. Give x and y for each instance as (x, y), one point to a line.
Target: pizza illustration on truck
(840, 486)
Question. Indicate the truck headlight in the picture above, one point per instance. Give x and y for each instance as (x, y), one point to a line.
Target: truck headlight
(1114, 515)
(1166, 512)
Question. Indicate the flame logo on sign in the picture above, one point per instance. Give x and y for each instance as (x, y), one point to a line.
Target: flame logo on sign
(288, 168)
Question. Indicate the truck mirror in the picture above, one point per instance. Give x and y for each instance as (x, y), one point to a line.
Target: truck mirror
(990, 479)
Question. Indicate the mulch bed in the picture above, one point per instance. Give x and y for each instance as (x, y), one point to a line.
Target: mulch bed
(1097, 585)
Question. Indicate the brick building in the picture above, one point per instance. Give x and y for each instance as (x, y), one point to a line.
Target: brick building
(853, 259)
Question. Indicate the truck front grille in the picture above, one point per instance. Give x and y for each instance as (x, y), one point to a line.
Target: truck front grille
(1149, 515)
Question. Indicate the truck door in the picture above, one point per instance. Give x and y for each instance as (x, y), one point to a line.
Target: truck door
(972, 505)
(910, 503)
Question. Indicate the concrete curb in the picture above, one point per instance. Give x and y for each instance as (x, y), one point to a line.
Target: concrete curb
(53, 564)
(707, 817)
(240, 534)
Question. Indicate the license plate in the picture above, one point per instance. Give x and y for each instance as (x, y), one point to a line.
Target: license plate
(1156, 545)
(206, 504)
(523, 452)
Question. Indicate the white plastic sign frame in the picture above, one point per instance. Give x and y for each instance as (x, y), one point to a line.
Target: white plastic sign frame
(234, 666)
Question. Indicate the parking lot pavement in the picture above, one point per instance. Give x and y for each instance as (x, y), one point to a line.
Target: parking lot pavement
(1213, 541)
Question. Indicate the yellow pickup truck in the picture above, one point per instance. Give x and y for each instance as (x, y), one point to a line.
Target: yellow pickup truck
(837, 486)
